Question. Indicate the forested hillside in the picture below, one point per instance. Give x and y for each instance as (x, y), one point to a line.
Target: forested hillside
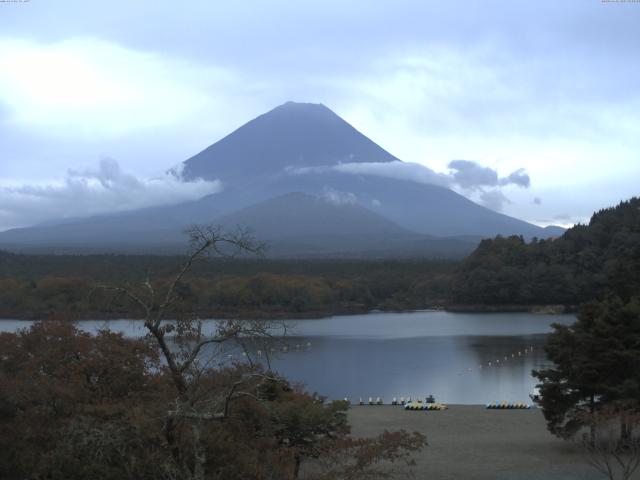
(586, 263)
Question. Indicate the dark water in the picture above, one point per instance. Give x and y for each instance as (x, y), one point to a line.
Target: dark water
(459, 358)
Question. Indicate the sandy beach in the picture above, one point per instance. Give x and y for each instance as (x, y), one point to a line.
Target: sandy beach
(471, 442)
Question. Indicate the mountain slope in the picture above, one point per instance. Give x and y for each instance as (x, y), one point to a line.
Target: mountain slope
(293, 134)
(293, 148)
(422, 208)
(300, 225)
(298, 214)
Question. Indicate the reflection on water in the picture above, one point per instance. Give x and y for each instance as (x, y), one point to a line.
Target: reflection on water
(459, 358)
(455, 369)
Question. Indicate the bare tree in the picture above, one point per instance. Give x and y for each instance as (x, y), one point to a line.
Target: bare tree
(182, 341)
(301, 426)
(612, 445)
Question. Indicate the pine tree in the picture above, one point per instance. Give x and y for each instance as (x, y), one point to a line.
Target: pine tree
(597, 364)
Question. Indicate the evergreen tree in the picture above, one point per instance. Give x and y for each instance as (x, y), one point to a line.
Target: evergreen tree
(597, 364)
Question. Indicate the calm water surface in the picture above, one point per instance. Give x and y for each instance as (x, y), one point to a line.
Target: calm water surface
(459, 358)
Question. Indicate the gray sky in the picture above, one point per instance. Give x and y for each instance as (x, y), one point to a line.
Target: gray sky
(98, 99)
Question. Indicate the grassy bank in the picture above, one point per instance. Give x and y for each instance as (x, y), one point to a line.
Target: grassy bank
(471, 442)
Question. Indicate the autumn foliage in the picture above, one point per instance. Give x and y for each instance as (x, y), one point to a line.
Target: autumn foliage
(78, 406)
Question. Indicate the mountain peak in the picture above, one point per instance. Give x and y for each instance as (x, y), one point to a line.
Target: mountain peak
(304, 111)
(303, 105)
(291, 135)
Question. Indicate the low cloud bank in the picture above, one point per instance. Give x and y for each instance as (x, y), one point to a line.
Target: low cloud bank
(104, 189)
(472, 178)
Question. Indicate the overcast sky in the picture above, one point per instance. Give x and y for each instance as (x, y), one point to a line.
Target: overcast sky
(98, 99)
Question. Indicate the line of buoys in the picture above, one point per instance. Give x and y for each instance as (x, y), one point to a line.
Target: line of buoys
(298, 347)
(425, 406)
(505, 358)
(508, 406)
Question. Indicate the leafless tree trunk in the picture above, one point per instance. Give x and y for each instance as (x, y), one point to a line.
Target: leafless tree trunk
(183, 363)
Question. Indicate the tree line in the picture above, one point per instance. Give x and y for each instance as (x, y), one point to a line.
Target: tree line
(588, 262)
(34, 287)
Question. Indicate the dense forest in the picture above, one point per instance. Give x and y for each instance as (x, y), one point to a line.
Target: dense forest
(35, 286)
(586, 263)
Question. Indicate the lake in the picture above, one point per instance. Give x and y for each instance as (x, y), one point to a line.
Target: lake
(460, 358)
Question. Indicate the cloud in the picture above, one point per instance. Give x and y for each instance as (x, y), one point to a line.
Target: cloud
(398, 170)
(549, 112)
(520, 178)
(85, 87)
(465, 174)
(105, 189)
(470, 177)
(336, 197)
(494, 199)
(537, 201)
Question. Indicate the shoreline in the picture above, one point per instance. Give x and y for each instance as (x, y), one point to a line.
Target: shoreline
(309, 315)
